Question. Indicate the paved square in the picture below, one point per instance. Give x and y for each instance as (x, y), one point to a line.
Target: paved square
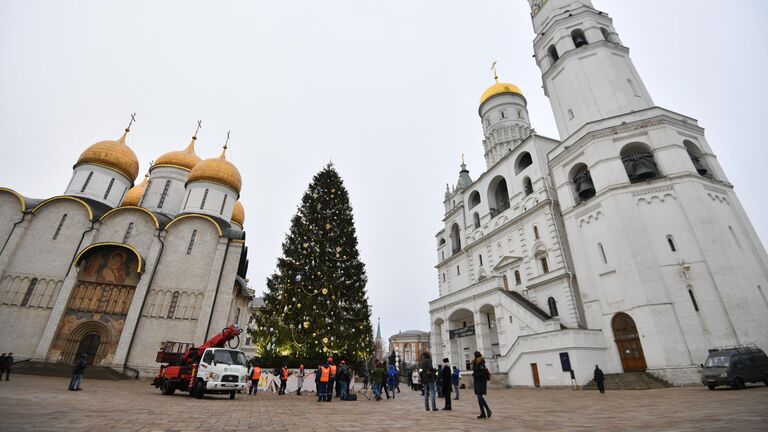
(33, 403)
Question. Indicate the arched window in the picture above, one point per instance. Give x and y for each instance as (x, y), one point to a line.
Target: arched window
(442, 241)
(544, 264)
(518, 279)
(535, 232)
(128, 232)
(87, 180)
(474, 199)
(144, 195)
(205, 197)
(237, 315)
(480, 259)
(476, 219)
(458, 271)
(191, 242)
(28, 293)
(164, 194)
(553, 55)
(581, 179)
(602, 253)
(443, 277)
(693, 300)
(639, 162)
(109, 188)
(174, 302)
(223, 203)
(697, 158)
(552, 307)
(606, 34)
(527, 186)
(498, 196)
(61, 225)
(671, 242)
(579, 38)
(523, 162)
(455, 239)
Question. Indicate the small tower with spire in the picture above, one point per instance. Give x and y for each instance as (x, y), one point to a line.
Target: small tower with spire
(378, 345)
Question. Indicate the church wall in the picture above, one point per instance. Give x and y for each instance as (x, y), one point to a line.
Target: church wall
(115, 227)
(176, 190)
(176, 271)
(194, 201)
(10, 213)
(97, 187)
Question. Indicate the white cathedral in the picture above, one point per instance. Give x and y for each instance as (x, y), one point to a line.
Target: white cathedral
(117, 271)
(622, 244)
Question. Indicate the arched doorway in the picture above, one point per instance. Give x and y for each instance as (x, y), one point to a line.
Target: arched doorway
(628, 343)
(89, 345)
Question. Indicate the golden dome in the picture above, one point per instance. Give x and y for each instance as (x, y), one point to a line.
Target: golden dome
(186, 158)
(134, 194)
(113, 154)
(499, 88)
(217, 170)
(238, 213)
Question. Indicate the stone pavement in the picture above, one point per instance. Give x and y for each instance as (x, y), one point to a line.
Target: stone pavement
(35, 403)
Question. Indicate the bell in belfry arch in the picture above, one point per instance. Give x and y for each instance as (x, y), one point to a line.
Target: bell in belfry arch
(584, 186)
(640, 166)
(580, 40)
(700, 168)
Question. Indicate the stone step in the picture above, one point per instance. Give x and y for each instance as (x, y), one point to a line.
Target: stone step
(65, 370)
(630, 381)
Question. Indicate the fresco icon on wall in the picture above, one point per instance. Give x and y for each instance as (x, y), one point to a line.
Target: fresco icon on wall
(111, 266)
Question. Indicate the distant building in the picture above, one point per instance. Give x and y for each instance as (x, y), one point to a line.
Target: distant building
(254, 309)
(409, 345)
(378, 344)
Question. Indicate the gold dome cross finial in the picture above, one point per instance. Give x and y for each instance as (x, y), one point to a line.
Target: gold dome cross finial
(495, 74)
(133, 119)
(226, 143)
(199, 126)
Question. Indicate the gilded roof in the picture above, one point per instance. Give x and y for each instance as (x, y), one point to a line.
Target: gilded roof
(217, 170)
(238, 213)
(499, 88)
(113, 154)
(186, 158)
(134, 194)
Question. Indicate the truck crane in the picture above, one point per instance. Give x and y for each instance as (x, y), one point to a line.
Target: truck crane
(214, 367)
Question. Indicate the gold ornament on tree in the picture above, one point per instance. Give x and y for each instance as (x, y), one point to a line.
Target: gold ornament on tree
(325, 291)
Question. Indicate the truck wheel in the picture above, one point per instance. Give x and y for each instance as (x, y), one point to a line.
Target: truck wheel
(711, 386)
(231, 395)
(738, 384)
(199, 389)
(167, 388)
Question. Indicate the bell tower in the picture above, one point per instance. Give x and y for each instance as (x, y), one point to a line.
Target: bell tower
(667, 260)
(586, 70)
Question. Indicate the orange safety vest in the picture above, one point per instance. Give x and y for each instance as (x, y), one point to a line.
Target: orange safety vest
(333, 371)
(324, 374)
(256, 373)
(285, 373)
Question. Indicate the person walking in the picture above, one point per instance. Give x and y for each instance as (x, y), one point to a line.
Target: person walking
(377, 378)
(255, 377)
(322, 376)
(392, 379)
(284, 373)
(77, 373)
(342, 377)
(456, 380)
(446, 373)
(481, 375)
(300, 379)
(7, 366)
(428, 380)
(599, 379)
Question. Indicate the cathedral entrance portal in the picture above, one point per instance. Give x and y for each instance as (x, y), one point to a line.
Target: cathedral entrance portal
(628, 343)
(89, 345)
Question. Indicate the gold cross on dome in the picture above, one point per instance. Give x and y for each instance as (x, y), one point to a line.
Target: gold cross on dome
(133, 119)
(493, 68)
(227, 141)
(199, 126)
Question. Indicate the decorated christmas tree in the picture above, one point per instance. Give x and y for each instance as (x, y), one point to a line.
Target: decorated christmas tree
(316, 303)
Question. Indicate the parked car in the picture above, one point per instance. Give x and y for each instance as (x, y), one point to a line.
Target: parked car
(735, 366)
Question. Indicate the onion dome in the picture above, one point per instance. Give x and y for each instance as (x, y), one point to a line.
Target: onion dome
(238, 213)
(500, 88)
(112, 154)
(217, 170)
(134, 194)
(186, 159)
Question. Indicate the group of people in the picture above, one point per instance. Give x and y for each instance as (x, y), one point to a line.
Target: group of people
(331, 379)
(387, 380)
(6, 361)
(283, 373)
(428, 377)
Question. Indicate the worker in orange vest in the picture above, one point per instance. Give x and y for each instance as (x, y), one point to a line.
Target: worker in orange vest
(283, 379)
(255, 377)
(332, 381)
(322, 376)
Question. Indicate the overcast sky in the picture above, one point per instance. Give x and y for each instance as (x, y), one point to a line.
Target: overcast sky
(388, 90)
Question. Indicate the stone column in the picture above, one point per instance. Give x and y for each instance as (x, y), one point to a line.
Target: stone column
(482, 335)
(135, 310)
(60, 306)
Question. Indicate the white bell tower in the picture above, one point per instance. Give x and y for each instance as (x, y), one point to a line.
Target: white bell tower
(586, 70)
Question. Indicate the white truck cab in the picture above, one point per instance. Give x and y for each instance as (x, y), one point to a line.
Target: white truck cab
(223, 370)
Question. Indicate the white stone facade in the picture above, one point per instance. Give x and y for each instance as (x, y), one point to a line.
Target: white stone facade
(651, 260)
(187, 281)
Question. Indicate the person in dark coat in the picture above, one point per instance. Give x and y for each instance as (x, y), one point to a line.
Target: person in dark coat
(7, 363)
(428, 380)
(480, 375)
(599, 379)
(77, 373)
(446, 374)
